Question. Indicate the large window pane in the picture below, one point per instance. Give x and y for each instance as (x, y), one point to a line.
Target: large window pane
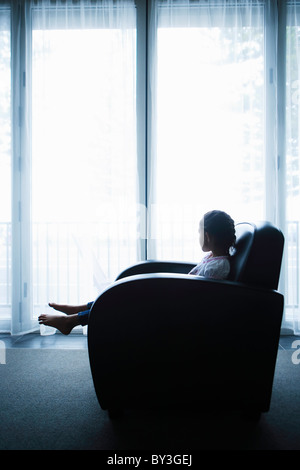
(83, 160)
(210, 124)
(5, 165)
(292, 311)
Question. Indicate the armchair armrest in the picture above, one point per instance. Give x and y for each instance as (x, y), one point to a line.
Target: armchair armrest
(161, 292)
(151, 266)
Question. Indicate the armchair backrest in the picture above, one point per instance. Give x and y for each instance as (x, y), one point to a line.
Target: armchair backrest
(258, 255)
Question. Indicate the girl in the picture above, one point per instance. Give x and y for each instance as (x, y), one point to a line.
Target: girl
(216, 236)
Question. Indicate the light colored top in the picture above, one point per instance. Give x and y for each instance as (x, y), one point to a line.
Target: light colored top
(217, 267)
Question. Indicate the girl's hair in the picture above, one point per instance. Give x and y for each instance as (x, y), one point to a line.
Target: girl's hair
(221, 227)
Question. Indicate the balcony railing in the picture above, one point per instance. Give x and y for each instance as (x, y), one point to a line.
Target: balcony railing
(70, 262)
(71, 266)
(5, 265)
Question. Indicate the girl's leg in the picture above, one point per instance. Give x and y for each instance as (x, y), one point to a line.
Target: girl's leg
(70, 309)
(62, 322)
(83, 317)
(66, 322)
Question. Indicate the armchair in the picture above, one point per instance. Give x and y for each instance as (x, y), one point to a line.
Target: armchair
(160, 338)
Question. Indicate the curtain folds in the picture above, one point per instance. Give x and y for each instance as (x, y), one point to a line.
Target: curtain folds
(78, 184)
(292, 280)
(5, 169)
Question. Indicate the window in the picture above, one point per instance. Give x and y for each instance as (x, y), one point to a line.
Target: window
(210, 149)
(83, 155)
(123, 121)
(76, 182)
(292, 311)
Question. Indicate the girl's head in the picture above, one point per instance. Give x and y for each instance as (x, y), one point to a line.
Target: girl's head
(217, 232)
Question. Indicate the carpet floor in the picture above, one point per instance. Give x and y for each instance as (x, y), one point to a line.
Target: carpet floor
(48, 402)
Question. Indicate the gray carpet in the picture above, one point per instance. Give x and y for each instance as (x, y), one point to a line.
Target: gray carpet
(48, 402)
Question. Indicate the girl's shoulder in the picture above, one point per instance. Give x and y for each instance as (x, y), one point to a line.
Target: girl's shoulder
(216, 259)
(217, 267)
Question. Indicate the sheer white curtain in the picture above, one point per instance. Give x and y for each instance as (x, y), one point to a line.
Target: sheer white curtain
(208, 118)
(78, 165)
(221, 131)
(292, 308)
(5, 168)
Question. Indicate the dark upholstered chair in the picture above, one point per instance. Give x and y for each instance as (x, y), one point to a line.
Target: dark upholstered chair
(159, 338)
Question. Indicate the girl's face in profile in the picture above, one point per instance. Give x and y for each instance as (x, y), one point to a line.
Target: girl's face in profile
(202, 236)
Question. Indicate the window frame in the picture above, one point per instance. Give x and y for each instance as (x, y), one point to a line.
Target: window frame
(275, 169)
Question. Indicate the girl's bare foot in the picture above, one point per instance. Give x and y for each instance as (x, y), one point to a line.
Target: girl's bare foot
(62, 322)
(68, 309)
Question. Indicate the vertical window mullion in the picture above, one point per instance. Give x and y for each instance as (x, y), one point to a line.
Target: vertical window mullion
(16, 169)
(21, 224)
(141, 103)
(281, 129)
(271, 19)
(152, 26)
